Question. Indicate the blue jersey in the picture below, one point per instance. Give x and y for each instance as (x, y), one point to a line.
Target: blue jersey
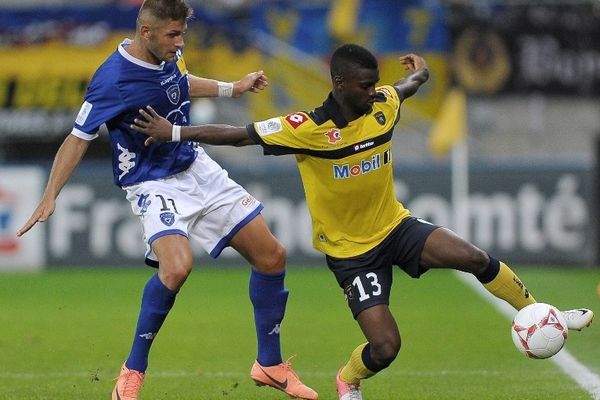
(120, 87)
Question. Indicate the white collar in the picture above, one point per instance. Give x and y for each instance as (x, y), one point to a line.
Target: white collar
(135, 60)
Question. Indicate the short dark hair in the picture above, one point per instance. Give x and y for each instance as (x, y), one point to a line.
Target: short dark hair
(163, 10)
(348, 56)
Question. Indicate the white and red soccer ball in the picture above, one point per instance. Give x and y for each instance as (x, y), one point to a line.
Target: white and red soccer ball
(539, 330)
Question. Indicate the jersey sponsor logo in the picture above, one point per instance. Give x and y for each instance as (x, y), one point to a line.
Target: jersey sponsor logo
(334, 136)
(269, 126)
(364, 166)
(380, 118)
(126, 162)
(247, 201)
(86, 107)
(168, 80)
(364, 145)
(167, 218)
(174, 94)
(296, 119)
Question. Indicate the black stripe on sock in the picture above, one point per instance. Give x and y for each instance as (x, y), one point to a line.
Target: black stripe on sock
(491, 272)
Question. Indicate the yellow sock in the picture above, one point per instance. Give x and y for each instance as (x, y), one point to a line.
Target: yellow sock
(355, 369)
(508, 287)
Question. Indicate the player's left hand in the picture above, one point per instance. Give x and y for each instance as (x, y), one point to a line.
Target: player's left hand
(253, 82)
(412, 62)
(158, 128)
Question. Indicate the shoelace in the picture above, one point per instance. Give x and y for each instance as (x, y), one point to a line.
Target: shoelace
(133, 382)
(287, 365)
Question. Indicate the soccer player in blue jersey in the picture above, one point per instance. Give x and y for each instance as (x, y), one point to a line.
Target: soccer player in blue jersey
(177, 191)
(343, 152)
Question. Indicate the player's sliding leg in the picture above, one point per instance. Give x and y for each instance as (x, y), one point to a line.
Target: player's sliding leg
(503, 283)
(269, 297)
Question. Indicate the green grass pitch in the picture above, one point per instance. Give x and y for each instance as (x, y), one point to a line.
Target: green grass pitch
(65, 333)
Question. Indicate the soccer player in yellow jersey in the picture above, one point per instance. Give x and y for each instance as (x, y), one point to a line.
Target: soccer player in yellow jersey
(343, 152)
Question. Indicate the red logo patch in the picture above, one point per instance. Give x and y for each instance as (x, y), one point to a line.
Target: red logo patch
(296, 119)
(334, 136)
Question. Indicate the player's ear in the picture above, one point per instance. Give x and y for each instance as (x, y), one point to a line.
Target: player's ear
(338, 81)
(145, 31)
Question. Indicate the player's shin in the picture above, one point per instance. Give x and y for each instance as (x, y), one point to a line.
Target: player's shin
(503, 283)
(269, 298)
(157, 301)
(356, 368)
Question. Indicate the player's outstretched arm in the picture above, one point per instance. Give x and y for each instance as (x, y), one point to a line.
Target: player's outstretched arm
(159, 129)
(67, 158)
(203, 87)
(409, 85)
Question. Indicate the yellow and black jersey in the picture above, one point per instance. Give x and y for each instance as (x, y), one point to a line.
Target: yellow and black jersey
(346, 170)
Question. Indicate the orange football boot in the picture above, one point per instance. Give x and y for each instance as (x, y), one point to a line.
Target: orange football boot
(282, 377)
(129, 383)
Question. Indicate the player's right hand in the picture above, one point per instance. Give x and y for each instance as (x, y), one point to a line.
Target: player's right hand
(43, 211)
(156, 127)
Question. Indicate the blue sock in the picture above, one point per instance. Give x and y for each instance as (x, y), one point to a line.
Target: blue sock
(269, 298)
(157, 301)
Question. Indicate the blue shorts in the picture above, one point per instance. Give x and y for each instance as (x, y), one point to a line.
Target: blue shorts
(367, 279)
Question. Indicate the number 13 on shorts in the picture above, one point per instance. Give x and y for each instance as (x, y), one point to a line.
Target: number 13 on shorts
(373, 288)
(367, 289)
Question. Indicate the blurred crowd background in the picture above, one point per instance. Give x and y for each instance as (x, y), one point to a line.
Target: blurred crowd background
(530, 71)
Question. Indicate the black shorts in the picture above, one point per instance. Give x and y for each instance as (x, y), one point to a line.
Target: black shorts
(367, 279)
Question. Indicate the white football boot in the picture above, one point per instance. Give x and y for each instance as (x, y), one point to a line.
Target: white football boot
(578, 318)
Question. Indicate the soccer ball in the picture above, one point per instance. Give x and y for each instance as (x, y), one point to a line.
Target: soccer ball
(539, 330)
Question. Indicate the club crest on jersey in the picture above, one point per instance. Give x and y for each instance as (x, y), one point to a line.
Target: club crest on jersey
(167, 218)
(173, 94)
(334, 135)
(380, 118)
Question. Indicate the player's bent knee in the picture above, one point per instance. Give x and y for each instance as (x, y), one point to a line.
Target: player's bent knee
(477, 260)
(173, 275)
(383, 354)
(273, 262)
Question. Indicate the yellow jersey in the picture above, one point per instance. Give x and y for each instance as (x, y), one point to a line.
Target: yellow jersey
(346, 171)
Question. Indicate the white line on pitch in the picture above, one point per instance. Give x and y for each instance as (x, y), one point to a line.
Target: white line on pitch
(232, 374)
(584, 377)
